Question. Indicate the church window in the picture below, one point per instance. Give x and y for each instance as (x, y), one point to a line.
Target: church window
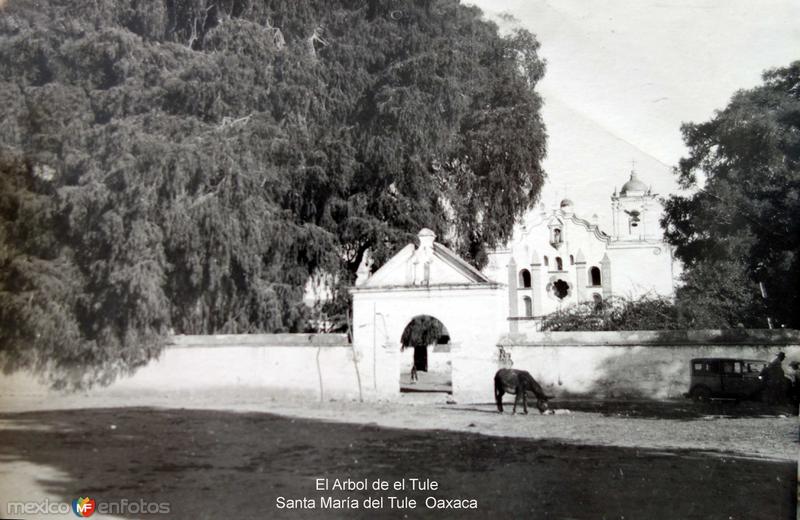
(594, 276)
(525, 278)
(571, 260)
(560, 289)
(546, 261)
(559, 264)
(556, 236)
(598, 302)
(528, 307)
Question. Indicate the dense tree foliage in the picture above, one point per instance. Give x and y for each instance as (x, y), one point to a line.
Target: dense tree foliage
(422, 331)
(191, 164)
(740, 227)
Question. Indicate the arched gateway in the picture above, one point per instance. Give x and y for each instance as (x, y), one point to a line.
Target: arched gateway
(431, 280)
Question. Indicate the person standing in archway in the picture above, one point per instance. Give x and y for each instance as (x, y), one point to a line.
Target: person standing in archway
(421, 331)
(420, 358)
(414, 376)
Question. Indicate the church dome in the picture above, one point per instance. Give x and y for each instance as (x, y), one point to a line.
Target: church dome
(633, 185)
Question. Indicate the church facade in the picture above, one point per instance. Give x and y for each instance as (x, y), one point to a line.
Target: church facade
(557, 258)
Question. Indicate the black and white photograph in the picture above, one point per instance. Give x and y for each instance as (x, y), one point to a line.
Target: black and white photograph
(403, 259)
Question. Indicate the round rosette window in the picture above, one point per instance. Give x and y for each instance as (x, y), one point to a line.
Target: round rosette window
(559, 289)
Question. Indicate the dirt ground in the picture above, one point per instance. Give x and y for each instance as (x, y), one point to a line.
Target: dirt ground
(589, 460)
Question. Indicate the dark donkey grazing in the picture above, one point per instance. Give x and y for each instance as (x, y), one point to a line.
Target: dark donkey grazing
(518, 382)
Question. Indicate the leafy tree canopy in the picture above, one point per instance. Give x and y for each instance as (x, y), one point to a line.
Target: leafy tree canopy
(190, 164)
(422, 331)
(740, 224)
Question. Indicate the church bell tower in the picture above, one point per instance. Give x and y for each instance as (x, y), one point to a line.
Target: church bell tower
(635, 211)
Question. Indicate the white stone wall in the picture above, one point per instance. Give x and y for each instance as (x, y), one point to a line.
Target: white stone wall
(641, 268)
(597, 365)
(635, 364)
(315, 367)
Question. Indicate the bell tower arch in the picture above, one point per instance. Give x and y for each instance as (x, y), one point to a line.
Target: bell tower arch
(635, 211)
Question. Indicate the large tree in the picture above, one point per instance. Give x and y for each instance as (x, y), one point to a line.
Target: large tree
(191, 164)
(739, 227)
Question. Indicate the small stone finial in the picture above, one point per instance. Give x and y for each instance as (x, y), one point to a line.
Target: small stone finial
(580, 258)
(535, 260)
(426, 238)
(606, 260)
(364, 269)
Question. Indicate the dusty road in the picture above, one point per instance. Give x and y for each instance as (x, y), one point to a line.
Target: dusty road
(587, 461)
(744, 430)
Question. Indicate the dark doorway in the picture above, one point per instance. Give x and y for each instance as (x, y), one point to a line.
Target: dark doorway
(421, 358)
(427, 367)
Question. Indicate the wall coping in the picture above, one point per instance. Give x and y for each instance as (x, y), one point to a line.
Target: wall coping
(778, 337)
(257, 340)
(426, 288)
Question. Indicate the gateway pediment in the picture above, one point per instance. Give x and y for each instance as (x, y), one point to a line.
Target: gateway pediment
(429, 264)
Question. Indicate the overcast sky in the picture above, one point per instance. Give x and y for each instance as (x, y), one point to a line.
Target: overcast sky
(622, 75)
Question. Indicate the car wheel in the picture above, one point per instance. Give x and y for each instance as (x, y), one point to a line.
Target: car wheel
(701, 393)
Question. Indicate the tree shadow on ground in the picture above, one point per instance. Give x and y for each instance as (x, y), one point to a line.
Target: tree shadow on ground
(212, 464)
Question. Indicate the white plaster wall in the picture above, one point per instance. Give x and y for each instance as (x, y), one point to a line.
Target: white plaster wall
(444, 274)
(633, 364)
(323, 371)
(637, 269)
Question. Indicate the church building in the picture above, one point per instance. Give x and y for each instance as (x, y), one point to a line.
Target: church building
(557, 258)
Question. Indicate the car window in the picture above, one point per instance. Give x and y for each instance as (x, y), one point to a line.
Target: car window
(727, 367)
(737, 367)
(698, 367)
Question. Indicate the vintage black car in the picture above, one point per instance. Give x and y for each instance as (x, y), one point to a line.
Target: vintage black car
(726, 378)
